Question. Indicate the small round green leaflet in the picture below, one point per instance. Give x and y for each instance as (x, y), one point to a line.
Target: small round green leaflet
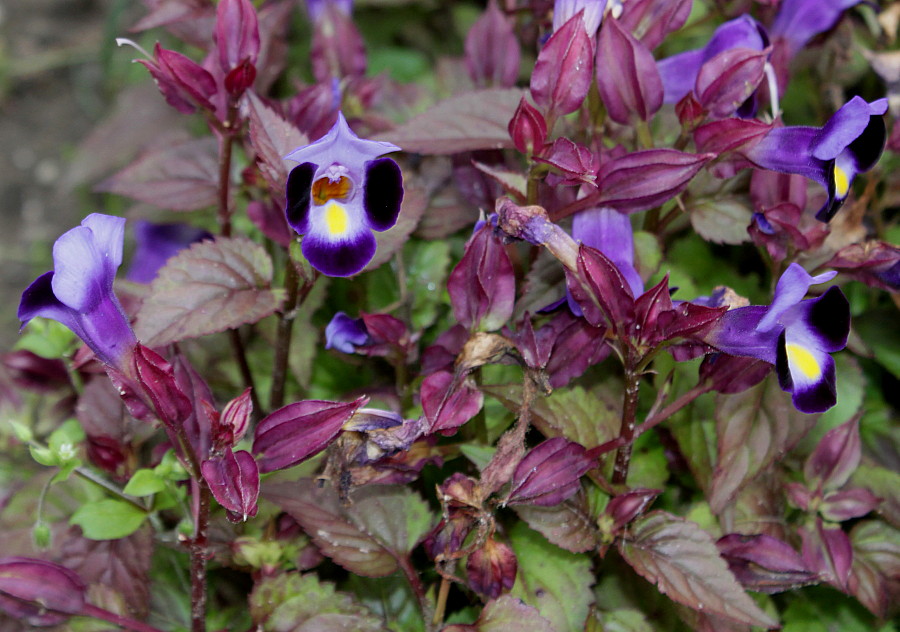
(108, 519)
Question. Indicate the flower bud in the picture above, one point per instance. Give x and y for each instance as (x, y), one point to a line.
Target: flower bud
(527, 128)
(482, 286)
(38, 592)
(629, 82)
(564, 68)
(491, 569)
(492, 50)
(233, 479)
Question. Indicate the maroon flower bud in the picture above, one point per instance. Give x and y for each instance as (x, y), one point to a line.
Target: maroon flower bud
(651, 20)
(689, 112)
(643, 179)
(482, 286)
(298, 431)
(237, 36)
(728, 79)
(827, 551)
(240, 78)
(156, 377)
(492, 50)
(184, 83)
(576, 163)
(491, 569)
(835, 458)
(337, 49)
(601, 291)
(230, 426)
(848, 504)
(764, 563)
(875, 263)
(32, 372)
(725, 137)
(577, 345)
(534, 347)
(448, 402)
(388, 336)
(626, 507)
(550, 473)
(527, 128)
(449, 535)
(233, 479)
(627, 77)
(38, 592)
(564, 68)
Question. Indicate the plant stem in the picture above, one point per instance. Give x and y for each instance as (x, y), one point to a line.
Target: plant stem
(629, 413)
(443, 592)
(93, 477)
(415, 582)
(226, 144)
(198, 558)
(116, 619)
(283, 335)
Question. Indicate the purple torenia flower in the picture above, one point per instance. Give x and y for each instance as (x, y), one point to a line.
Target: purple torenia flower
(346, 334)
(679, 72)
(156, 244)
(850, 142)
(78, 292)
(565, 10)
(798, 21)
(793, 334)
(339, 194)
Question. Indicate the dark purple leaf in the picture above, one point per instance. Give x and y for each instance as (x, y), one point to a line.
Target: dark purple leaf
(875, 263)
(575, 163)
(33, 372)
(627, 76)
(491, 569)
(156, 378)
(835, 458)
(492, 50)
(682, 560)
(210, 287)
(272, 138)
(755, 428)
(233, 479)
(38, 592)
(180, 176)
(733, 374)
(338, 50)
(466, 122)
(563, 71)
(550, 473)
(449, 402)
(300, 430)
(763, 563)
(828, 552)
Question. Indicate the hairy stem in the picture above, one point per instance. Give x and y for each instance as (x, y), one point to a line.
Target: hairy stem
(116, 619)
(629, 414)
(283, 335)
(415, 582)
(198, 558)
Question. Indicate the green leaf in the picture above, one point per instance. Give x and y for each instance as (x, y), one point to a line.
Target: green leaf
(144, 482)
(625, 621)
(210, 287)
(426, 279)
(108, 519)
(647, 253)
(880, 331)
(46, 338)
(508, 614)
(391, 598)
(885, 484)
(823, 609)
(63, 439)
(288, 602)
(876, 566)
(44, 456)
(722, 221)
(556, 582)
(479, 455)
(65, 471)
(682, 560)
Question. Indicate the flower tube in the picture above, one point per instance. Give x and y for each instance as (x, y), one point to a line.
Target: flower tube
(78, 292)
(338, 195)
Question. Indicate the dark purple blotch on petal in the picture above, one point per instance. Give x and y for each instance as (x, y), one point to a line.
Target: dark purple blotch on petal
(383, 193)
(340, 259)
(299, 195)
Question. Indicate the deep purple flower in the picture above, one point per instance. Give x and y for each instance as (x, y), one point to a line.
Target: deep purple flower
(798, 21)
(793, 334)
(346, 334)
(679, 72)
(317, 7)
(156, 244)
(850, 142)
(565, 10)
(338, 195)
(78, 292)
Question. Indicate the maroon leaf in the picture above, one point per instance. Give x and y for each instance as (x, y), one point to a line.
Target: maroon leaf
(338, 50)
(122, 565)
(492, 50)
(233, 479)
(449, 402)
(300, 430)
(763, 563)
(682, 560)
(550, 473)
(563, 70)
(210, 287)
(875, 263)
(180, 176)
(38, 592)
(627, 77)
(272, 138)
(474, 120)
(482, 286)
(733, 374)
(601, 291)
(827, 551)
(651, 20)
(643, 179)
(755, 428)
(728, 79)
(835, 458)
(367, 537)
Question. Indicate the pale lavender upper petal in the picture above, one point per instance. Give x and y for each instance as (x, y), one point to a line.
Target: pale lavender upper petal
(82, 274)
(565, 10)
(798, 21)
(109, 233)
(792, 287)
(341, 146)
(843, 128)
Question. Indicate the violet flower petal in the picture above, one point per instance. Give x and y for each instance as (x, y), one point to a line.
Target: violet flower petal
(798, 21)
(790, 290)
(156, 244)
(346, 334)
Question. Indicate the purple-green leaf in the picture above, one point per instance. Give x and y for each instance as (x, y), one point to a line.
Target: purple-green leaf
(506, 614)
(875, 574)
(212, 286)
(684, 563)
(469, 121)
(571, 525)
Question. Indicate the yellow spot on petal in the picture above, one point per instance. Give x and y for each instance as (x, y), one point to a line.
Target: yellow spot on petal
(841, 183)
(336, 219)
(325, 189)
(803, 360)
